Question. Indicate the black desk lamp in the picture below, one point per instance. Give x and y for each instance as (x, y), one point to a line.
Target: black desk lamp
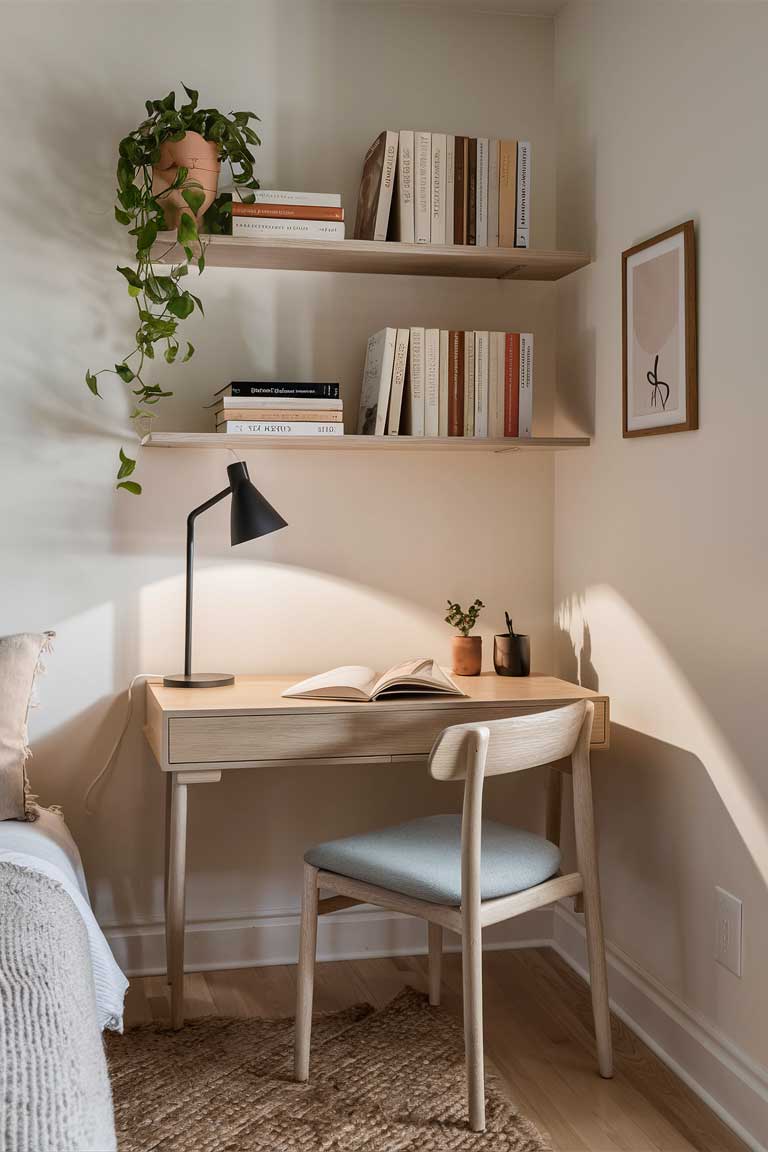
(251, 516)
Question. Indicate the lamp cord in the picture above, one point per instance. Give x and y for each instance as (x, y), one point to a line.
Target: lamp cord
(118, 742)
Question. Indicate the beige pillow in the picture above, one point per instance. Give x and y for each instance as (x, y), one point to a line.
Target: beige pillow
(19, 665)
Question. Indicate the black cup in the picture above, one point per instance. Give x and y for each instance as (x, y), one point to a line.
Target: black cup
(511, 654)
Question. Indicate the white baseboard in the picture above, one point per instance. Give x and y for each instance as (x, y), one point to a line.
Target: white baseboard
(733, 1085)
(272, 938)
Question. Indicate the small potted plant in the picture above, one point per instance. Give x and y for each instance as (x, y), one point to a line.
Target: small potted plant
(511, 651)
(467, 651)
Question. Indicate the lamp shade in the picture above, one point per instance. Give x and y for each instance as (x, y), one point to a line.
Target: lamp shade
(251, 515)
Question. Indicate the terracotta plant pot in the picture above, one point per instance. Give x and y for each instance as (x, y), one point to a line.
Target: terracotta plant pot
(201, 158)
(467, 655)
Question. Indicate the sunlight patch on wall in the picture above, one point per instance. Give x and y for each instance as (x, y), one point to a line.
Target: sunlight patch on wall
(262, 618)
(613, 648)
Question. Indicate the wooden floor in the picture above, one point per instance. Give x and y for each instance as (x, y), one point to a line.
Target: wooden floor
(538, 1037)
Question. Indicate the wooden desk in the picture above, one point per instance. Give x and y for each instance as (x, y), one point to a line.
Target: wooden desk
(196, 734)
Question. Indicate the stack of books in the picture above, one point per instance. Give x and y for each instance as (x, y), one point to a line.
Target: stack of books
(272, 408)
(290, 215)
(437, 188)
(432, 382)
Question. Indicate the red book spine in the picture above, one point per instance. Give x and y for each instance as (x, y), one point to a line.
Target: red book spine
(455, 383)
(287, 211)
(512, 384)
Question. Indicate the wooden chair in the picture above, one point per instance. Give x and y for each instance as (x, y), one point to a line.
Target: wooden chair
(465, 873)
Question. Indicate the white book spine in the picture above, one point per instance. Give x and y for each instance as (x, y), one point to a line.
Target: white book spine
(431, 381)
(415, 394)
(422, 199)
(404, 230)
(469, 383)
(481, 383)
(523, 208)
(377, 380)
(496, 385)
(281, 428)
(442, 386)
(387, 185)
(283, 229)
(450, 160)
(256, 403)
(526, 384)
(481, 214)
(493, 194)
(398, 381)
(437, 225)
(313, 199)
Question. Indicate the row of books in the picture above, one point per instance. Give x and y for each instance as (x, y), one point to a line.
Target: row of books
(433, 382)
(290, 215)
(275, 408)
(437, 188)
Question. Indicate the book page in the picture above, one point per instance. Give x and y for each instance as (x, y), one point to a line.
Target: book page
(421, 676)
(350, 682)
(402, 672)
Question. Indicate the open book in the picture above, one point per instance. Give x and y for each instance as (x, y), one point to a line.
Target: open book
(411, 678)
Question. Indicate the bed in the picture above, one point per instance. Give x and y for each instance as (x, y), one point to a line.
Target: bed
(59, 988)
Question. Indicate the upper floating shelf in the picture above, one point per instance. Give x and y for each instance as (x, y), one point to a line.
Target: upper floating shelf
(383, 258)
(361, 443)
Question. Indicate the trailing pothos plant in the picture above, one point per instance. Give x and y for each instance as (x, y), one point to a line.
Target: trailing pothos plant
(162, 301)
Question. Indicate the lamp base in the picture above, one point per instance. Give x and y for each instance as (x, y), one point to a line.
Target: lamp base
(198, 680)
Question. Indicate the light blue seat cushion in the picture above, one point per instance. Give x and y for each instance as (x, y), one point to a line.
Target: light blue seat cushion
(423, 859)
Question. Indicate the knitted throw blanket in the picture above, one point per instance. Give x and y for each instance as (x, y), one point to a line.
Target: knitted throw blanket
(54, 1088)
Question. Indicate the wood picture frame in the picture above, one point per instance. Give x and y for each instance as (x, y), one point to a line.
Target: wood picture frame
(659, 343)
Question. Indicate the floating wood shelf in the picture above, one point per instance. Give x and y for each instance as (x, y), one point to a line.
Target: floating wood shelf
(361, 443)
(374, 256)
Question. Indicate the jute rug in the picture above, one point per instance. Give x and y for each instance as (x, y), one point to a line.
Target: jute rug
(389, 1081)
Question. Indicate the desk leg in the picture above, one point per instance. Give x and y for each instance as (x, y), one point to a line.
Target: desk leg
(174, 922)
(167, 859)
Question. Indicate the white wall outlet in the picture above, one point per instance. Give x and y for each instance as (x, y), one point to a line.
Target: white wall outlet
(728, 931)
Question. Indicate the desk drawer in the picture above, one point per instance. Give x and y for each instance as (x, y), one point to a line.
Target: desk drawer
(221, 739)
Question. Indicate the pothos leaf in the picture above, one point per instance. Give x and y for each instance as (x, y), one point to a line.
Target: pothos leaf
(189, 353)
(181, 305)
(130, 486)
(186, 233)
(124, 372)
(195, 197)
(92, 383)
(127, 465)
(131, 276)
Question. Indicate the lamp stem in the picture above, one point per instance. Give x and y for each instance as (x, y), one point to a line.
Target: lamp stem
(188, 615)
(190, 573)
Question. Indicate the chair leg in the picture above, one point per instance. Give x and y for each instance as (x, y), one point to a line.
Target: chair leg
(586, 852)
(472, 974)
(306, 974)
(435, 938)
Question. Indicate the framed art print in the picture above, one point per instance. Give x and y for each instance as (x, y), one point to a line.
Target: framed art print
(659, 334)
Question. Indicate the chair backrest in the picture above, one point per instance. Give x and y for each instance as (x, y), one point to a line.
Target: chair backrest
(513, 745)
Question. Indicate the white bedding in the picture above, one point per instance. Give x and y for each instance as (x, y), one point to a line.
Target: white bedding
(46, 846)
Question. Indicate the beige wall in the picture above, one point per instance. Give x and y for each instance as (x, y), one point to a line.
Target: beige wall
(375, 544)
(661, 549)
